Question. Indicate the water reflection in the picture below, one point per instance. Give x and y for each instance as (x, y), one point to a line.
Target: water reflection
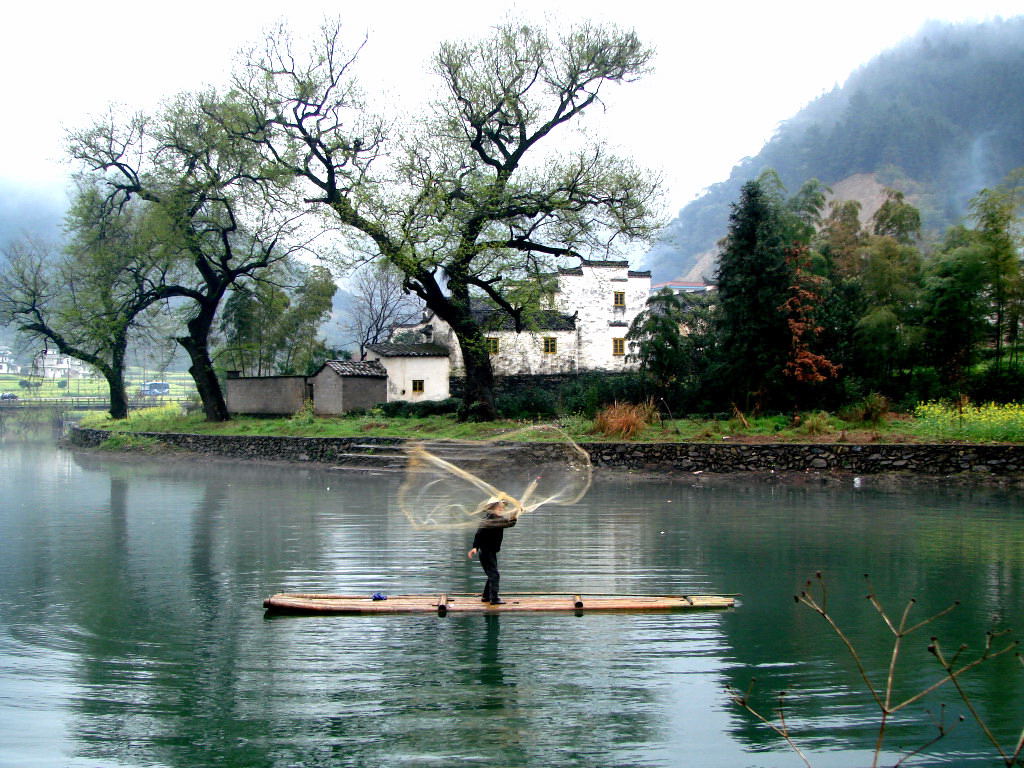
(130, 620)
(491, 674)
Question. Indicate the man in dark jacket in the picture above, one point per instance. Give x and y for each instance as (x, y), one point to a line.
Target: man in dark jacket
(487, 543)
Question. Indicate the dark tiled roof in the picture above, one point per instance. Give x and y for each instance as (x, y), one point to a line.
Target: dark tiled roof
(409, 350)
(426, 317)
(544, 320)
(356, 368)
(491, 319)
(578, 271)
(587, 263)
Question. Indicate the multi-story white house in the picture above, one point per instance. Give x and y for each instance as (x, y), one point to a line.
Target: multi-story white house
(7, 364)
(583, 328)
(50, 364)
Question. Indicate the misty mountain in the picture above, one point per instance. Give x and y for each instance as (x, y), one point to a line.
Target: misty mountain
(331, 330)
(939, 117)
(30, 212)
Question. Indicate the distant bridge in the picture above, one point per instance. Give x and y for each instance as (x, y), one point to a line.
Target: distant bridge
(84, 403)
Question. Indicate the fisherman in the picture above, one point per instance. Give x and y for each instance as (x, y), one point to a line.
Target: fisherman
(487, 542)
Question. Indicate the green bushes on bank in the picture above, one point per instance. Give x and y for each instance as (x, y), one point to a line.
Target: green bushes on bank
(422, 409)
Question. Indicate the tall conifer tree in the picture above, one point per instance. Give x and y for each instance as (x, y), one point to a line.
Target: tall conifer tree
(753, 281)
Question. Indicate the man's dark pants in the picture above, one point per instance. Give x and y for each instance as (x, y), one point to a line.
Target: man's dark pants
(489, 562)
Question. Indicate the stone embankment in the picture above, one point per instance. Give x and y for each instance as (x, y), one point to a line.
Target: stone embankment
(385, 452)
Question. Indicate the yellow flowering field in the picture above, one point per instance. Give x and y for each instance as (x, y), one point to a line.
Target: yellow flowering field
(975, 423)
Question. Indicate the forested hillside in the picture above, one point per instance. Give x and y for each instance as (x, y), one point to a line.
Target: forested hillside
(939, 117)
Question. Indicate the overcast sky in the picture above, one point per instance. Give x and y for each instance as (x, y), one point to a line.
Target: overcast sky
(726, 73)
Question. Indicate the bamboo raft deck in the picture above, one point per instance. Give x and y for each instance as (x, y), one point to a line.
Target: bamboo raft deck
(443, 603)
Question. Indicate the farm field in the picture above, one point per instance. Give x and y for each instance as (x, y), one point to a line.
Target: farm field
(33, 388)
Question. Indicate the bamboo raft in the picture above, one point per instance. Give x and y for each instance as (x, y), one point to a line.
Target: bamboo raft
(443, 603)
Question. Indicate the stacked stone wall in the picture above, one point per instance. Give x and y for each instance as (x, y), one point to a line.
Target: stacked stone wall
(792, 457)
(326, 450)
(1001, 460)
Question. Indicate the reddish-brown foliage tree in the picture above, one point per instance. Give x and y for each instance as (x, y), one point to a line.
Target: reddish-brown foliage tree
(804, 366)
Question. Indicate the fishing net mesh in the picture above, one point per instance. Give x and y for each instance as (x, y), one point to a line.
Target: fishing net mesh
(451, 484)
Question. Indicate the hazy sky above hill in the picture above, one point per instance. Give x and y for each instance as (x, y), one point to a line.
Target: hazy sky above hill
(726, 73)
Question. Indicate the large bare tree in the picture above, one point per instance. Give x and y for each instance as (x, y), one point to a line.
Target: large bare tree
(91, 297)
(487, 193)
(379, 303)
(217, 217)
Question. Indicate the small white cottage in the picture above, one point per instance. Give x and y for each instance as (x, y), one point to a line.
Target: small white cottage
(415, 372)
(346, 385)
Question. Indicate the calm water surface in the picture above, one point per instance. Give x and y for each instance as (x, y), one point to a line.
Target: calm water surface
(132, 633)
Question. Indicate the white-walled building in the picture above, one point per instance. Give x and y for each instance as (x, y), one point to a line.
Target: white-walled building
(51, 364)
(416, 372)
(7, 364)
(582, 329)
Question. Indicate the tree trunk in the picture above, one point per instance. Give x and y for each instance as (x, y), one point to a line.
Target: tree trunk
(118, 394)
(456, 309)
(478, 393)
(205, 377)
(115, 376)
(202, 370)
(112, 370)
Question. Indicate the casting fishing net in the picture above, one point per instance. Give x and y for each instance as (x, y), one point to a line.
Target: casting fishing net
(453, 484)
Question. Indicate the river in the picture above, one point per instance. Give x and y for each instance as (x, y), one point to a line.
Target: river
(132, 632)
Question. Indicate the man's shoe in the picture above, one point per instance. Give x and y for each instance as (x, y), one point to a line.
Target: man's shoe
(497, 601)
(485, 599)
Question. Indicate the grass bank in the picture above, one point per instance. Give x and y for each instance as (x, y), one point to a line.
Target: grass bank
(930, 423)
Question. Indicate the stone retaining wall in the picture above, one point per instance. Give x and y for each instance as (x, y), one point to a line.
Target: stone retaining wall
(327, 450)
(793, 457)
(648, 457)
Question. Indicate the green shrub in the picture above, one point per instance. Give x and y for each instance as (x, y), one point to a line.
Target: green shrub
(1004, 385)
(424, 408)
(873, 409)
(392, 409)
(590, 392)
(439, 407)
(531, 404)
(917, 386)
(473, 412)
(819, 423)
(305, 415)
